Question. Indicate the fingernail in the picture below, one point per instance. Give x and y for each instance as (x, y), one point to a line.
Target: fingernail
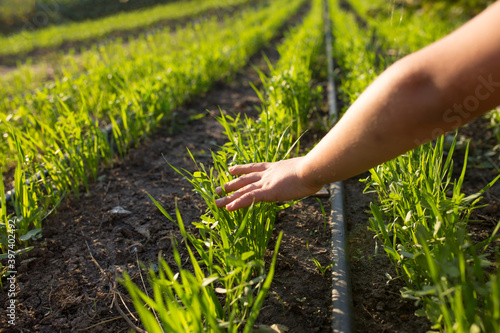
(218, 190)
(218, 202)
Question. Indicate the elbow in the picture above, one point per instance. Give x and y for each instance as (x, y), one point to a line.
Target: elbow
(418, 101)
(412, 76)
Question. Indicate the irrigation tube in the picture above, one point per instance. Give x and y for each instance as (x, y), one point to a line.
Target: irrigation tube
(341, 299)
(340, 278)
(332, 98)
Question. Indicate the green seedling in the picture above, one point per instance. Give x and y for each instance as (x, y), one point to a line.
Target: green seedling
(427, 238)
(322, 269)
(323, 212)
(191, 302)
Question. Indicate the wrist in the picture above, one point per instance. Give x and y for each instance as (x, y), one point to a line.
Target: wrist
(308, 174)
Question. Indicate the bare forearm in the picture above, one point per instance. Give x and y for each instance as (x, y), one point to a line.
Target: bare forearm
(391, 117)
(416, 100)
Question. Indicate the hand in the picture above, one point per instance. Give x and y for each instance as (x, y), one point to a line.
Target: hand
(270, 182)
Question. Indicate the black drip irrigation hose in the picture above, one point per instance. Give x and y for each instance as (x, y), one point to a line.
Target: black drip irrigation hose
(341, 300)
(332, 98)
(341, 297)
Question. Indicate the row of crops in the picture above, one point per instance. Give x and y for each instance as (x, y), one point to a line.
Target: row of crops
(103, 49)
(421, 217)
(26, 41)
(61, 133)
(16, 15)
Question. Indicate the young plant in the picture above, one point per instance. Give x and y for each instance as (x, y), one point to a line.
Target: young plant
(191, 302)
(322, 269)
(427, 240)
(323, 212)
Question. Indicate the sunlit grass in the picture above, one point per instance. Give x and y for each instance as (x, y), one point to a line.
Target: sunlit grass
(61, 131)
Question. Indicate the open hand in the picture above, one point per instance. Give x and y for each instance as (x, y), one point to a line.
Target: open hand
(269, 182)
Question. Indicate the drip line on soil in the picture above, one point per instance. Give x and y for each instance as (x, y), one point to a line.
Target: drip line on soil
(332, 98)
(341, 300)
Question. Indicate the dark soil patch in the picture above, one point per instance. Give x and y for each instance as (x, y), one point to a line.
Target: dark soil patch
(377, 303)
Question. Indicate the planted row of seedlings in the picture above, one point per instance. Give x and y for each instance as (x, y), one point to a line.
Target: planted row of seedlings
(98, 56)
(226, 282)
(378, 35)
(102, 49)
(421, 221)
(400, 31)
(58, 134)
(422, 215)
(54, 36)
(173, 65)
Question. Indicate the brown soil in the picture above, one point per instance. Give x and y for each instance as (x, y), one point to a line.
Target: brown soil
(377, 303)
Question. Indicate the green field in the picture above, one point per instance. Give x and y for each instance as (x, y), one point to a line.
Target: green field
(67, 117)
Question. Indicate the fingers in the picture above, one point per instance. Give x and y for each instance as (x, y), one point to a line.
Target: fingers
(244, 201)
(248, 168)
(244, 188)
(238, 183)
(244, 169)
(239, 199)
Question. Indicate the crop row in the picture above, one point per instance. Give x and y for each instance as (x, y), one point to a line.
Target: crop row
(385, 36)
(421, 217)
(172, 62)
(401, 31)
(232, 245)
(60, 130)
(31, 75)
(55, 36)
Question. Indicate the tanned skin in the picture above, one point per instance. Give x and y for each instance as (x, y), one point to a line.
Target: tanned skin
(418, 98)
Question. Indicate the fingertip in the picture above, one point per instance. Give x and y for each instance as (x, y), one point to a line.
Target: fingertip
(242, 202)
(218, 190)
(219, 203)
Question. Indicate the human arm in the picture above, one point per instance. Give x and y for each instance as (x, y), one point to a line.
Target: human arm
(420, 97)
